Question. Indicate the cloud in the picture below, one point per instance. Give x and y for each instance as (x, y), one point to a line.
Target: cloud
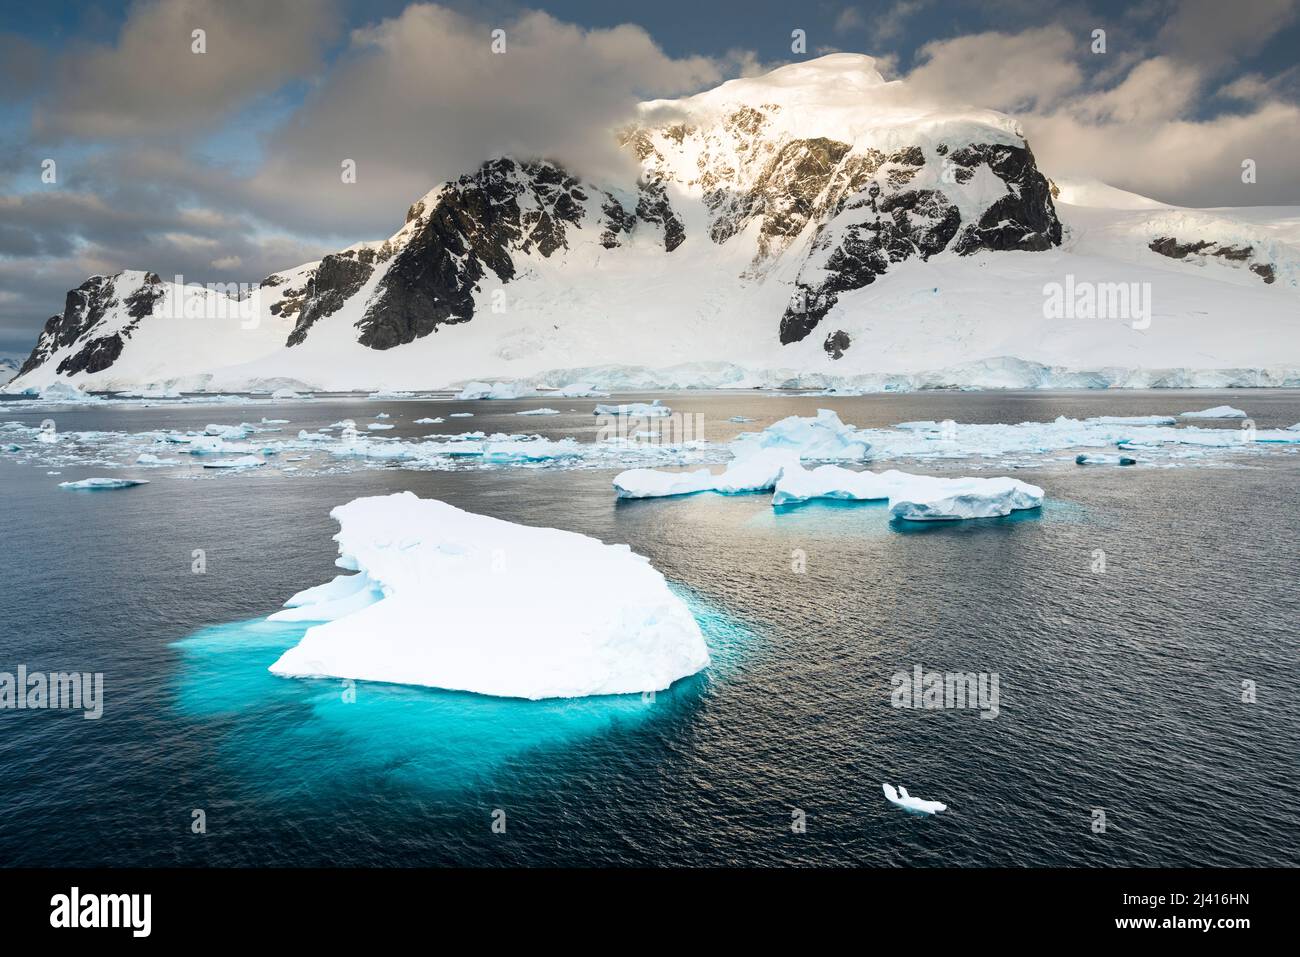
(150, 81)
(422, 98)
(1028, 70)
(1212, 34)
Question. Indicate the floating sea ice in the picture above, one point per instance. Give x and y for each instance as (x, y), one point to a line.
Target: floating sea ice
(427, 421)
(239, 462)
(382, 415)
(1218, 412)
(798, 484)
(379, 426)
(539, 412)
(103, 484)
(460, 415)
(740, 418)
(1132, 420)
(815, 438)
(148, 458)
(563, 616)
(644, 409)
(266, 421)
(1091, 459)
(755, 473)
(285, 394)
(578, 390)
(911, 804)
(929, 499)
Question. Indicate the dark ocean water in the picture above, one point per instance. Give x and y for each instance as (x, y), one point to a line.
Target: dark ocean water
(1119, 691)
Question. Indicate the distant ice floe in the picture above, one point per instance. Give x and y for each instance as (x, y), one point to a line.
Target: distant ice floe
(753, 461)
(471, 603)
(577, 390)
(496, 390)
(102, 484)
(639, 409)
(543, 411)
(908, 803)
(772, 460)
(1095, 459)
(1218, 412)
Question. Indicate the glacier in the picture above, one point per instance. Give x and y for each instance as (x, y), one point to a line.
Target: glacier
(445, 598)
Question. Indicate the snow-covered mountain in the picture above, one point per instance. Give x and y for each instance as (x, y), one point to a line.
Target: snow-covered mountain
(816, 225)
(8, 368)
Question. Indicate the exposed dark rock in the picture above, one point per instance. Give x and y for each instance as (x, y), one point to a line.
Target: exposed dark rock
(337, 279)
(85, 308)
(1169, 246)
(1025, 218)
(1264, 271)
(477, 222)
(837, 343)
(654, 207)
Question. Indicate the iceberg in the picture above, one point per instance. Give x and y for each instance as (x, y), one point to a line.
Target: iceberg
(102, 484)
(908, 803)
(816, 438)
(448, 599)
(497, 390)
(1218, 412)
(428, 421)
(928, 499)
(642, 409)
(910, 497)
(755, 473)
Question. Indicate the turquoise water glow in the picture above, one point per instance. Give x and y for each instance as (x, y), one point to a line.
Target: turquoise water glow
(301, 735)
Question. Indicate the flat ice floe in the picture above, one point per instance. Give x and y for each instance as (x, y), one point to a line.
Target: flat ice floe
(773, 458)
(637, 409)
(102, 484)
(1218, 412)
(911, 804)
(448, 599)
(911, 497)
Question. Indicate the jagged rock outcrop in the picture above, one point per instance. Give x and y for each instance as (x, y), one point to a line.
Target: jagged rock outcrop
(1226, 252)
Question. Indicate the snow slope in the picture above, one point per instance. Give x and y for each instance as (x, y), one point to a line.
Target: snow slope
(816, 226)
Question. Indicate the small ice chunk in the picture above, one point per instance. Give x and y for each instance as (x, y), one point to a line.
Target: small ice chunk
(378, 426)
(1089, 458)
(1132, 420)
(101, 484)
(461, 415)
(910, 804)
(428, 421)
(539, 412)
(239, 462)
(643, 409)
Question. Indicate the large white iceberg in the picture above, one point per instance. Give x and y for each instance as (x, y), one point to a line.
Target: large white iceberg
(449, 599)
